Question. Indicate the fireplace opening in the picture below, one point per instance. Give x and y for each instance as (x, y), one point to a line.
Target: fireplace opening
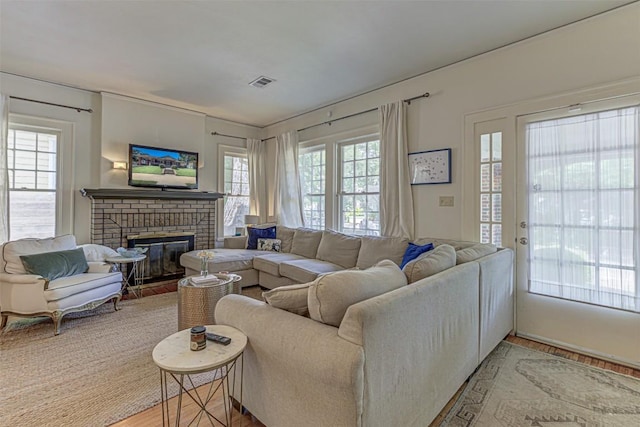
(163, 254)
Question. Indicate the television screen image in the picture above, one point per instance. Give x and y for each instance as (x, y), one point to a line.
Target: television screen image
(161, 167)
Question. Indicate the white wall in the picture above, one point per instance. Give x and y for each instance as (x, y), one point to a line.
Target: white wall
(85, 138)
(592, 52)
(101, 137)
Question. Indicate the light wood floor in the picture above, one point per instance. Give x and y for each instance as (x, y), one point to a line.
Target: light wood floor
(152, 417)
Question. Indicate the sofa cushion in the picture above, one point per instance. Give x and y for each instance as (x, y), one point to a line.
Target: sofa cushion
(53, 265)
(285, 234)
(255, 233)
(292, 298)
(305, 242)
(413, 251)
(270, 263)
(331, 295)
(65, 287)
(375, 249)
(338, 248)
(474, 252)
(11, 251)
(223, 260)
(306, 270)
(430, 263)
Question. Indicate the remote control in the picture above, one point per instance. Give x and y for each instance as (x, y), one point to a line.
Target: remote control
(218, 338)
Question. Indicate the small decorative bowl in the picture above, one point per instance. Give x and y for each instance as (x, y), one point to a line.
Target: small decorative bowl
(131, 252)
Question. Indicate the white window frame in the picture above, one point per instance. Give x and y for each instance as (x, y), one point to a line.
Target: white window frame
(65, 189)
(223, 151)
(330, 143)
(310, 150)
(340, 190)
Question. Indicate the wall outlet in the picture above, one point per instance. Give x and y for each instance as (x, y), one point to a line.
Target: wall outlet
(446, 201)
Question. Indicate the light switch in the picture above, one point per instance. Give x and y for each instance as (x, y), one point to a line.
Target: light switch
(446, 201)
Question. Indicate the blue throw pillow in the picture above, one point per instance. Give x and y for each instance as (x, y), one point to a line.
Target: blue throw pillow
(259, 233)
(414, 251)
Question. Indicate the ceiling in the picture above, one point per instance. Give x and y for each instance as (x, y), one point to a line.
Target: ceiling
(201, 55)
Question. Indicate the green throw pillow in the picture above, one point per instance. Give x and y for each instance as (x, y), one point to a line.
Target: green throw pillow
(53, 265)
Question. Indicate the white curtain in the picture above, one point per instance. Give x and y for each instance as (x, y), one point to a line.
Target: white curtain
(4, 172)
(256, 153)
(396, 200)
(288, 196)
(584, 208)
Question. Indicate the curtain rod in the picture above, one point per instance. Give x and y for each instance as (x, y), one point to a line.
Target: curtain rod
(78, 109)
(329, 122)
(228, 136)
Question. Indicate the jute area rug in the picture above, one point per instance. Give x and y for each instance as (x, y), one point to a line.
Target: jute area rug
(518, 387)
(98, 371)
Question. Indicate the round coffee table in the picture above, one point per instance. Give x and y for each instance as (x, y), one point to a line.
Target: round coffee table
(176, 360)
(197, 301)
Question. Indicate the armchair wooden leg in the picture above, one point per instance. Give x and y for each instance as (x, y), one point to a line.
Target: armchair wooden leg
(56, 316)
(3, 321)
(116, 300)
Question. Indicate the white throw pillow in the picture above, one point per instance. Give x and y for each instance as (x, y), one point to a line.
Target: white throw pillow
(273, 245)
(332, 294)
(292, 298)
(95, 252)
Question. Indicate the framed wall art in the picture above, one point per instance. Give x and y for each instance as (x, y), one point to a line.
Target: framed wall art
(430, 167)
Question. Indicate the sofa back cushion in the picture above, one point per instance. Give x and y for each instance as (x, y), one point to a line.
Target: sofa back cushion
(430, 263)
(331, 295)
(375, 249)
(338, 248)
(305, 242)
(285, 234)
(474, 252)
(53, 265)
(11, 251)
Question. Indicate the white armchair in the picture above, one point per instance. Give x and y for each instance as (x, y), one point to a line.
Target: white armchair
(30, 295)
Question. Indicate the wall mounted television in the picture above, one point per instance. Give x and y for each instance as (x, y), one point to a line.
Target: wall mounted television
(162, 168)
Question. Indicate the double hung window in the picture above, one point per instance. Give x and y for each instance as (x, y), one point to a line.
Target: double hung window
(360, 187)
(32, 158)
(340, 182)
(236, 189)
(313, 168)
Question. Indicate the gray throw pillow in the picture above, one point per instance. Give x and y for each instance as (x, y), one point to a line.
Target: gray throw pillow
(292, 298)
(430, 263)
(53, 265)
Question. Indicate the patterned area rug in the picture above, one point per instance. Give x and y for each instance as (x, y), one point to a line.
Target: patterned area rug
(98, 371)
(518, 387)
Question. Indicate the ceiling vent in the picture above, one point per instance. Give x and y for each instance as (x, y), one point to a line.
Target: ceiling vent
(261, 82)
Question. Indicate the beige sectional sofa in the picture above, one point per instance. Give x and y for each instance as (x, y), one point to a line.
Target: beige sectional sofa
(304, 255)
(387, 349)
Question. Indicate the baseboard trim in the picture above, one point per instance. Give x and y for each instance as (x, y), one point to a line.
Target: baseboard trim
(582, 350)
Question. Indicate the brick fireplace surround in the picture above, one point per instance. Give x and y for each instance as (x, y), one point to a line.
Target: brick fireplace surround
(118, 213)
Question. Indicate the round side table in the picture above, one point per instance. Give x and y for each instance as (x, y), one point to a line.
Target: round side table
(197, 301)
(136, 272)
(176, 360)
